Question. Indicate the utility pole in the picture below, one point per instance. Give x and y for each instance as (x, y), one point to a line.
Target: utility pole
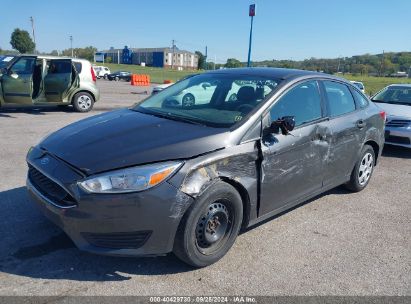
(172, 56)
(251, 13)
(339, 61)
(71, 45)
(32, 28)
(382, 65)
(205, 58)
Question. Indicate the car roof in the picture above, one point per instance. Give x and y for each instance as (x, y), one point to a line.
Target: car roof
(51, 57)
(274, 73)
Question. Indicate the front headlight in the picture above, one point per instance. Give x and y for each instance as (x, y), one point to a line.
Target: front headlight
(131, 179)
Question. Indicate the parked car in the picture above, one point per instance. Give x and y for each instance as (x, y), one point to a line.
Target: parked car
(101, 71)
(119, 75)
(395, 100)
(359, 85)
(47, 80)
(159, 178)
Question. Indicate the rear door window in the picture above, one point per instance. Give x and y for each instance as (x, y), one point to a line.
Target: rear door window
(60, 66)
(340, 100)
(360, 99)
(78, 66)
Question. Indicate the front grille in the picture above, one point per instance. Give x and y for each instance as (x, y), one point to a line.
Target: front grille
(118, 240)
(50, 189)
(398, 140)
(398, 123)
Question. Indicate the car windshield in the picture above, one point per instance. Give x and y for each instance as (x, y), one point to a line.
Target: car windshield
(211, 99)
(394, 95)
(5, 61)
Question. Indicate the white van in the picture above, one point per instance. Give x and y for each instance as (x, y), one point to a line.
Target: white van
(101, 71)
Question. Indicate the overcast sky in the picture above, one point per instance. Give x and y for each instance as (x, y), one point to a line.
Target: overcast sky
(292, 29)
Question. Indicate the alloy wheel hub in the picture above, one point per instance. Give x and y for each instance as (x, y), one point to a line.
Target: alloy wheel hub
(365, 169)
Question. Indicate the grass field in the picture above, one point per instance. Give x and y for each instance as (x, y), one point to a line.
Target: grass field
(374, 84)
(158, 75)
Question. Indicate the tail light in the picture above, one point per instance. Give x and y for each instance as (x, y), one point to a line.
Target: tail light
(93, 75)
(383, 115)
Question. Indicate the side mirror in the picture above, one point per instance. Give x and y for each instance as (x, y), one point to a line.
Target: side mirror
(286, 124)
(206, 85)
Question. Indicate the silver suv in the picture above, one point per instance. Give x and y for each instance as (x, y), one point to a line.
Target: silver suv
(47, 80)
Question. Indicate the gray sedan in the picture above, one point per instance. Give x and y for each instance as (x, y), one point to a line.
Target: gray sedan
(165, 177)
(395, 100)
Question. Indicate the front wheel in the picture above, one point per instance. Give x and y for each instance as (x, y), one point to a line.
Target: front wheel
(83, 102)
(117, 78)
(188, 100)
(210, 227)
(362, 172)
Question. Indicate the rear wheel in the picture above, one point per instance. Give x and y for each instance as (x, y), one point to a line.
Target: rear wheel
(83, 102)
(117, 78)
(362, 172)
(210, 227)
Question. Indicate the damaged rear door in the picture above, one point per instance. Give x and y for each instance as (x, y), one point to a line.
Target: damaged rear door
(291, 166)
(60, 78)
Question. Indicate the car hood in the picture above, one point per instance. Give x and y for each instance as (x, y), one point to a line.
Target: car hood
(402, 111)
(126, 138)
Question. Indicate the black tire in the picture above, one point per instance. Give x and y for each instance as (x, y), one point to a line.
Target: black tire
(188, 100)
(117, 78)
(219, 209)
(83, 102)
(363, 169)
(105, 76)
(128, 79)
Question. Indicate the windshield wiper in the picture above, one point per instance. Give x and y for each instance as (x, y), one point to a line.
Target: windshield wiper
(170, 116)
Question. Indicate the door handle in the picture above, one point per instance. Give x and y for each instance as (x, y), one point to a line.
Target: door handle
(361, 124)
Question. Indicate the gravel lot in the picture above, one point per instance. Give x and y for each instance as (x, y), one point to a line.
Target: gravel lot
(338, 244)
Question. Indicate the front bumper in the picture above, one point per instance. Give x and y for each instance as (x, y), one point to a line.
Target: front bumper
(398, 136)
(132, 224)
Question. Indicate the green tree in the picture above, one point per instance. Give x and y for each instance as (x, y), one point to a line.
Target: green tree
(21, 41)
(201, 60)
(233, 63)
(85, 53)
